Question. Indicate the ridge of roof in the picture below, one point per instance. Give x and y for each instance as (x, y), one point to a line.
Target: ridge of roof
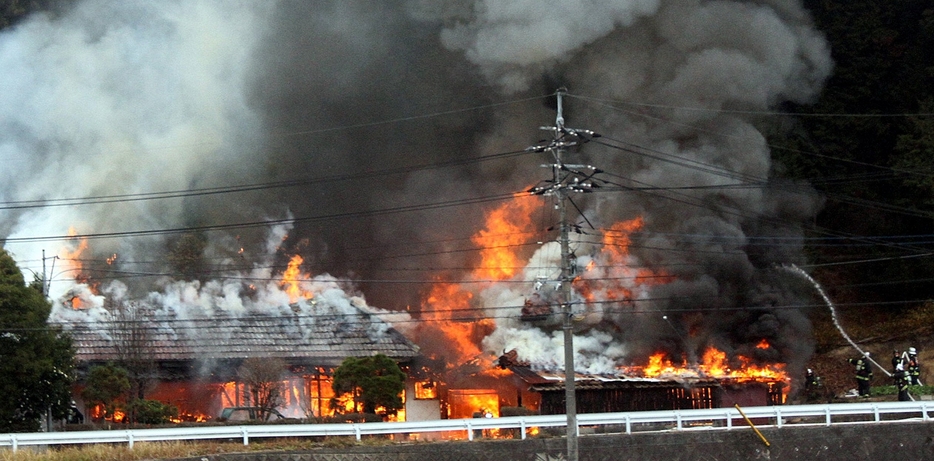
(322, 336)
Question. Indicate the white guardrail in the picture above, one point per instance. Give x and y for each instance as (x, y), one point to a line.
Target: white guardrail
(716, 418)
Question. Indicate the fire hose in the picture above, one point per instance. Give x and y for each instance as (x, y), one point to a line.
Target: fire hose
(833, 315)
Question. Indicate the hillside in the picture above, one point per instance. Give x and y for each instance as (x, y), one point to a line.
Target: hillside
(876, 331)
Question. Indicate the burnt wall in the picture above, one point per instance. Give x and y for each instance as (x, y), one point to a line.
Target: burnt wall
(889, 440)
(640, 398)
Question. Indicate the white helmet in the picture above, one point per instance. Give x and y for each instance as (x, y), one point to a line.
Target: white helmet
(912, 351)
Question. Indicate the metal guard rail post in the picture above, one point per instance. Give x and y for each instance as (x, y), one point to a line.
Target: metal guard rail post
(667, 419)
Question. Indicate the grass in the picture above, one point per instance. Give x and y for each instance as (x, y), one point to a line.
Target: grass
(892, 390)
(175, 450)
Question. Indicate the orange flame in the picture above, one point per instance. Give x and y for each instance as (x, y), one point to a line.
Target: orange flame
(466, 403)
(71, 252)
(506, 231)
(291, 280)
(714, 364)
(456, 322)
(454, 319)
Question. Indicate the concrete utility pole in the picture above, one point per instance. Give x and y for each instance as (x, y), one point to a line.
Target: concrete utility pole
(570, 396)
(46, 276)
(566, 179)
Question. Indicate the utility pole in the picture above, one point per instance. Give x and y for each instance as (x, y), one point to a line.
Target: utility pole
(46, 282)
(566, 179)
(45, 290)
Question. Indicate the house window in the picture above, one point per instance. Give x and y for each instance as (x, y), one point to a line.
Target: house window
(426, 390)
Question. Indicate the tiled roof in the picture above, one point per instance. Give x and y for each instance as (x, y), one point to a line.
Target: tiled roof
(293, 335)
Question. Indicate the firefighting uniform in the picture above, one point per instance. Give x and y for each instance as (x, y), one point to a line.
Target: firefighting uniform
(914, 370)
(902, 384)
(863, 375)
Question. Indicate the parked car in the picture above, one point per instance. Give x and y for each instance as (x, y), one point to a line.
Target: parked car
(250, 414)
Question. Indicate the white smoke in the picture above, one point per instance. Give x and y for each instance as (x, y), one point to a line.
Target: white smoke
(117, 99)
(180, 307)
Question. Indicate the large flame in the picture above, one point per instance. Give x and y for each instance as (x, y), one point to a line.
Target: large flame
(506, 230)
(454, 319)
(70, 255)
(292, 280)
(713, 364)
(449, 310)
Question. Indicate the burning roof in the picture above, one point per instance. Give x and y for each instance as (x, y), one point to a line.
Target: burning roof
(309, 335)
(713, 368)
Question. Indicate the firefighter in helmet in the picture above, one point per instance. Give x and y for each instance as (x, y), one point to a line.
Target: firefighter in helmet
(812, 386)
(863, 374)
(914, 367)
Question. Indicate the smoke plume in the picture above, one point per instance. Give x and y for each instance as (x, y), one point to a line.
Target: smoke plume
(323, 105)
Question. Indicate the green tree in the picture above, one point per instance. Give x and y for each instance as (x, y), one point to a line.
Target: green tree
(373, 382)
(871, 169)
(916, 154)
(36, 360)
(106, 385)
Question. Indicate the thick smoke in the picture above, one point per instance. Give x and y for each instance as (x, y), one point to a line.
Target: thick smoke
(109, 99)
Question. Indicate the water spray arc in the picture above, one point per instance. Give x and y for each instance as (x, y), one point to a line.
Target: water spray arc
(833, 313)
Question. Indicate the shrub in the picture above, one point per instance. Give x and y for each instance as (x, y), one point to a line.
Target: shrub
(151, 411)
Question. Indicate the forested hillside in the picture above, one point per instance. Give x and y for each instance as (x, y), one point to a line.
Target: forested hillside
(868, 145)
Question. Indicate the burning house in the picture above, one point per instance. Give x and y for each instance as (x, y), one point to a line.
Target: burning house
(626, 359)
(193, 362)
(657, 386)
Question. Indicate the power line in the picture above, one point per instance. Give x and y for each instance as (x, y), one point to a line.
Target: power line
(414, 117)
(604, 103)
(727, 209)
(456, 314)
(748, 112)
(266, 223)
(120, 198)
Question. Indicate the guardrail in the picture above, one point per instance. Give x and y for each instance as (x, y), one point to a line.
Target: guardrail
(718, 418)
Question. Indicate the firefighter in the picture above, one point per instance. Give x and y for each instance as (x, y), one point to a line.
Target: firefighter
(812, 386)
(898, 366)
(902, 380)
(897, 363)
(914, 368)
(863, 374)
